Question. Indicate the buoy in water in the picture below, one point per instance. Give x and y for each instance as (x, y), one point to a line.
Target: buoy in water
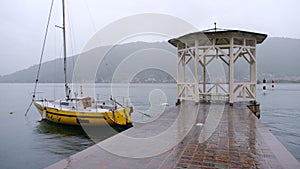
(273, 84)
(11, 112)
(264, 86)
(199, 124)
(164, 104)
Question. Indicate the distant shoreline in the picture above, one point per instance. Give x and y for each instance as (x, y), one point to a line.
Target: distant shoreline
(282, 81)
(276, 81)
(273, 63)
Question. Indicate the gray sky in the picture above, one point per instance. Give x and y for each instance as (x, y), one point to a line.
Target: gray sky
(23, 22)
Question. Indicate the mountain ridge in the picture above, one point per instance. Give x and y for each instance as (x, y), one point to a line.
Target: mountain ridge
(278, 58)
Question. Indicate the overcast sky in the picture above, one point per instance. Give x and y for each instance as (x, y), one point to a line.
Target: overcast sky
(23, 21)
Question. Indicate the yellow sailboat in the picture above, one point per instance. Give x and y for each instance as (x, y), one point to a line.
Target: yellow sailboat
(83, 111)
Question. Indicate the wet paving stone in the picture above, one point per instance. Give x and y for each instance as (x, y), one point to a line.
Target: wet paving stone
(235, 143)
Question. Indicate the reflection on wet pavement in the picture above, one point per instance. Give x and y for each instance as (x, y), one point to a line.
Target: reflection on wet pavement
(175, 140)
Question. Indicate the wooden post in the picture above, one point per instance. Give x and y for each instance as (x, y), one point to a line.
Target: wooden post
(253, 72)
(204, 74)
(178, 73)
(196, 59)
(231, 72)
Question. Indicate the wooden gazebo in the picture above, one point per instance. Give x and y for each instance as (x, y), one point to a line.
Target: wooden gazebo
(216, 45)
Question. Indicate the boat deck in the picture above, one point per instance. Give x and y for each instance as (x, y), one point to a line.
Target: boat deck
(189, 136)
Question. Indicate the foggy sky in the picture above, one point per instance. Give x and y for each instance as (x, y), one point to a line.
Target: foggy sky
(23, 22)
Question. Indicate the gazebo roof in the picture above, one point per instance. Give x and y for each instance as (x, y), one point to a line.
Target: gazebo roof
(218, 33)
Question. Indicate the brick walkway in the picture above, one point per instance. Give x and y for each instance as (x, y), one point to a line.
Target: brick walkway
(238, 141)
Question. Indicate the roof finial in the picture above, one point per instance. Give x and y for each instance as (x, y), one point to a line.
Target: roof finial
(215, 26)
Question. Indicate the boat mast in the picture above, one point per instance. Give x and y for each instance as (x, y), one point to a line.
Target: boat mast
(65, 51)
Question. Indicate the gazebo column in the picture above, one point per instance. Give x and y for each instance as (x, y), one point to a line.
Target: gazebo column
(231, 72)
(204, 73)
(253, 71)
(196, 74)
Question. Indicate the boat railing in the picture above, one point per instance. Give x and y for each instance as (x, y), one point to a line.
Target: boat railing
(105, 104)
(124, 101)
(87, 102)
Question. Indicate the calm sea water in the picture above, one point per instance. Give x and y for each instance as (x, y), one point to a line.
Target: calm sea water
(280, 112)
(27, 142)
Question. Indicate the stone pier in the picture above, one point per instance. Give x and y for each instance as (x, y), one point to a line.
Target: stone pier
(201, 135)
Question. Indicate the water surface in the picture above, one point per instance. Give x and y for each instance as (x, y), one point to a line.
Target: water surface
(27, 142)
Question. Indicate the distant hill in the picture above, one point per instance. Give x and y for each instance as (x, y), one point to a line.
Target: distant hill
(52, 71)
(278, 58)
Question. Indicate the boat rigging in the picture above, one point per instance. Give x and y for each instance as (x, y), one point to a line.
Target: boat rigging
(84, 111)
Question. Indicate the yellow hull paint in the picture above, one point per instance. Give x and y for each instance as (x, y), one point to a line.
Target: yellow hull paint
(121, 117)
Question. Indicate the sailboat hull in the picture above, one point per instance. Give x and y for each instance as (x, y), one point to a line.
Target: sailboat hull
(119, 117)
